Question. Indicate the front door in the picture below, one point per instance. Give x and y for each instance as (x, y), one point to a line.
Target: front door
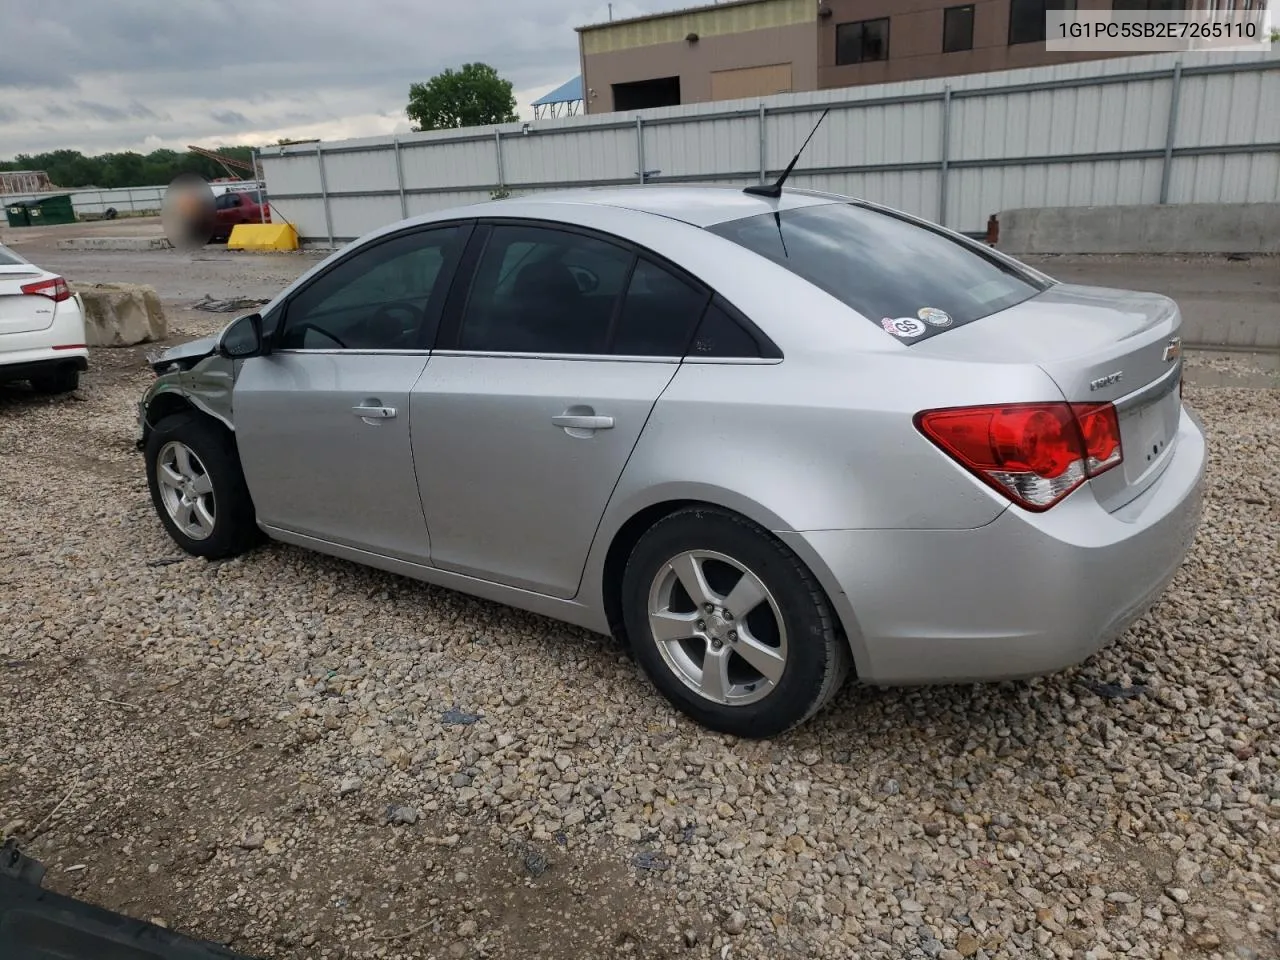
(323, 421)
(529, 410)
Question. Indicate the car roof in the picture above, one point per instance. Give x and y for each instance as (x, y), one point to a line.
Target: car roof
(701, 206)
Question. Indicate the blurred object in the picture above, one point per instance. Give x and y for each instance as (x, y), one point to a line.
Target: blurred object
(188, 214)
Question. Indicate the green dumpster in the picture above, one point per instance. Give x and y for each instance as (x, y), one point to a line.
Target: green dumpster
(18, 214)
(55, 210)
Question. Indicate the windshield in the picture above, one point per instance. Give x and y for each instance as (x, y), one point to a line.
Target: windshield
(913, 281)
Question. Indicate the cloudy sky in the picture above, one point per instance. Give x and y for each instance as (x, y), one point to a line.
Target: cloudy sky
(100, 75)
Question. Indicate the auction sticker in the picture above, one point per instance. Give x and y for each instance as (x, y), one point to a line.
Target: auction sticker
(934, 317)
(907, 327)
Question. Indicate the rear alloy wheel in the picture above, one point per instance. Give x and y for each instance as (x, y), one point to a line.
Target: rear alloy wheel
(64, 379)
(198, 488)
(730, 625)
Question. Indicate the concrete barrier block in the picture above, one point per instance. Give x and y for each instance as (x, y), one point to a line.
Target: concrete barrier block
(1171, 228)
(122, 314)
(263, 236)
(115, 243)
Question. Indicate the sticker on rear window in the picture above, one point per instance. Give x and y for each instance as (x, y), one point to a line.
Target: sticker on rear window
(906, 327)
(934, 317)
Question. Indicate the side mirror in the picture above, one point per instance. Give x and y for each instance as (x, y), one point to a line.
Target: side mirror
(243, 339)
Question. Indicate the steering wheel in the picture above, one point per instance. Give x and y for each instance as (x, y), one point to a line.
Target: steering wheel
(383, 327)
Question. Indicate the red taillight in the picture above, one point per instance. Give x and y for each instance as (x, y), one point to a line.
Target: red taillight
(1033, 453)
(1100, 427)
(55, 289)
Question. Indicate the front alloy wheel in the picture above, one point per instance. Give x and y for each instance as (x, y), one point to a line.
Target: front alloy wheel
(198, 488)
(186, 490)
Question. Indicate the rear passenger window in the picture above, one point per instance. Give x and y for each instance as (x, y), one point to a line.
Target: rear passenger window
(659, 315)
(720, 335)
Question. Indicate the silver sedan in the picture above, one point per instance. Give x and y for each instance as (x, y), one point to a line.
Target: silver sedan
(766, 441)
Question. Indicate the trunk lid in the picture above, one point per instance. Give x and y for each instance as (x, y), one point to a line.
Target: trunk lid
(1097, 345)
(21, 312)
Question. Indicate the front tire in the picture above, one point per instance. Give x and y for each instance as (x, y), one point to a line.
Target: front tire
(198, 488)
(730, 625)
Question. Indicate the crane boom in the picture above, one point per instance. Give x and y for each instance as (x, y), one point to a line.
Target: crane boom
(227, 162)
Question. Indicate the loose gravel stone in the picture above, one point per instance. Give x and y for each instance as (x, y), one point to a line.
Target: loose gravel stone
(735, 923)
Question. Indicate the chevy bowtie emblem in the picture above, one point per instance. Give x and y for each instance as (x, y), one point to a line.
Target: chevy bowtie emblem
(1173, 349)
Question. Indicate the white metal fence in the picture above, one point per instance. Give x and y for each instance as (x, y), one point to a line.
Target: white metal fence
(1172, 128)
(122, 199)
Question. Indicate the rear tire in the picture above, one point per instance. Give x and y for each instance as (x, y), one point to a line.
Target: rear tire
(752, 672)
(198, 487)
(65, 379)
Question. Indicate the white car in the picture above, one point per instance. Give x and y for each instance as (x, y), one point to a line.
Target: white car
(42, 335)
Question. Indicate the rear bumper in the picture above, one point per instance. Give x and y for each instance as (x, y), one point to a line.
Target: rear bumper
(1025, 595)
(34, 363)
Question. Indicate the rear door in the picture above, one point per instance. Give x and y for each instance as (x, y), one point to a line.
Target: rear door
(21, 312)
(536, 395)
(323, 421)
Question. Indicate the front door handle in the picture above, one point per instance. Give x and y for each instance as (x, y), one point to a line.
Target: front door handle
(373, 412)
(572, 421)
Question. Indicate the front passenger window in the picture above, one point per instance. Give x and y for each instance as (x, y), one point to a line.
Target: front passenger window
(387, 296)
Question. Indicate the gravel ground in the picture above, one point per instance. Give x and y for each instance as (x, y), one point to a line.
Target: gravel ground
(301, 757)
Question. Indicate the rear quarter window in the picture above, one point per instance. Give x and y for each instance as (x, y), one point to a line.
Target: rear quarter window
(9, 259)
(913, 281)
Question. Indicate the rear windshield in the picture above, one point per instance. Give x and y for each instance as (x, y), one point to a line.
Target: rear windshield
(913, 281)
(8, 258)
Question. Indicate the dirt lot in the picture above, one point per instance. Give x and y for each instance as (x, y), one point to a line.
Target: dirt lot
(300, 757)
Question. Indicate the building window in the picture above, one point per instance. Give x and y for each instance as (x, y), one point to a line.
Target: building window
(647, 94)
(1027, 18)
(957, 28)
(862, 41)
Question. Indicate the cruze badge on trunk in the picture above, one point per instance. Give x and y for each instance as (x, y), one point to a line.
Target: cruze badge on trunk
(1106, 381)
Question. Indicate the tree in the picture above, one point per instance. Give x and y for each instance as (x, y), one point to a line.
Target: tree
(470, 97)
(70, 169)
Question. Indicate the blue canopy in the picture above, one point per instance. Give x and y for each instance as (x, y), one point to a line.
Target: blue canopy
(567, 92)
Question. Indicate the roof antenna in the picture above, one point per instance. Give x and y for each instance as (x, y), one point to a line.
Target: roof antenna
(775, 189)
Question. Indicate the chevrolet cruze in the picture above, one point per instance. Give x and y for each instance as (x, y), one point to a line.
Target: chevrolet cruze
(768, 441)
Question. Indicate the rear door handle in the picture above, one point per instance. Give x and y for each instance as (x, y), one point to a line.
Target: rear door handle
(374, 412)
(571, 421)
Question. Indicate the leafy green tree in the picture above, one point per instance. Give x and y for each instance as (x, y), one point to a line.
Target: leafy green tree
(471, 97)
(71, 169)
